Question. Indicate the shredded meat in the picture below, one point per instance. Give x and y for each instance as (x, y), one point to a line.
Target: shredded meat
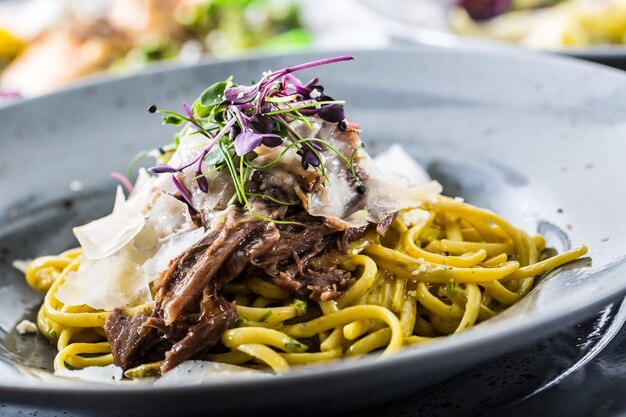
(317, 283)
(385, 224)
(288, 260)
(187, 276)
(190, 315)
(129, 339)
(217, 315)
(350, 235)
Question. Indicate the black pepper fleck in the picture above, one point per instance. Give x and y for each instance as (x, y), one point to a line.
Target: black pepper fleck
(342, 126)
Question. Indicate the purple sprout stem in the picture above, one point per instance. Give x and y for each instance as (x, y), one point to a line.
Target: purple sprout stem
(210, 146)
(123, 180)
(271, 78)
(238, 115)
(276, 75)
(191, 117)
(183, 192)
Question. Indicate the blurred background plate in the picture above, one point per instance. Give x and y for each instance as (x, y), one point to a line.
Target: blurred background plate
(428, 22)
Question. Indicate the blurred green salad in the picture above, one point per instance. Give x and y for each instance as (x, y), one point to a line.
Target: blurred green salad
(125, 34)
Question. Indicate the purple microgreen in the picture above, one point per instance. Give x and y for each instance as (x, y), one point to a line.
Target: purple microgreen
(176, 119)
(246, 141)
(292, 85)
(165, 168)
(240, 191)
(265, 91)
(333, 113)
(123, 180)
(295, 137)
(242, 94)
(183, 192)
(277, 74)
(262, 123)
(272, 140)
(266, 108)
(203, 184)
(222, 132)
(308, 157)
(309, 111)
(312, 83)
(241, 118)
(191, 118)
(246, 117)
(162, 169)
(187, 111)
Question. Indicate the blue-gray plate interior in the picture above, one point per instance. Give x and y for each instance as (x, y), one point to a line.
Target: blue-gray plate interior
(538, 139)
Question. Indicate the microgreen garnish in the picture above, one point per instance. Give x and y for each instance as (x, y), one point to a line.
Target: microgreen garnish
(451, 287)
(265, 316)
(239, 118)
(301, 307)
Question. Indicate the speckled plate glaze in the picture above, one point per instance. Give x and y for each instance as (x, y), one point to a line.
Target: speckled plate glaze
(538, 139)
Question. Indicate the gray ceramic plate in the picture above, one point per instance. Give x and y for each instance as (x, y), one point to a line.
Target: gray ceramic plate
(538, 139)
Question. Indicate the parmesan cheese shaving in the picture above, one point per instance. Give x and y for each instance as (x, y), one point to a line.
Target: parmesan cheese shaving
(397, 164)
(395, 182)
(198, 372)
(170, 248)
(126, 250)
(106, 284)
(103, 374)
(103, 237)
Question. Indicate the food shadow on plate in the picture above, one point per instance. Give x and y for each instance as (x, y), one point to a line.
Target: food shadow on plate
(513, 376)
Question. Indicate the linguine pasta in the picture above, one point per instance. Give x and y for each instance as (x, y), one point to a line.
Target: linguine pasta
(454, 266)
